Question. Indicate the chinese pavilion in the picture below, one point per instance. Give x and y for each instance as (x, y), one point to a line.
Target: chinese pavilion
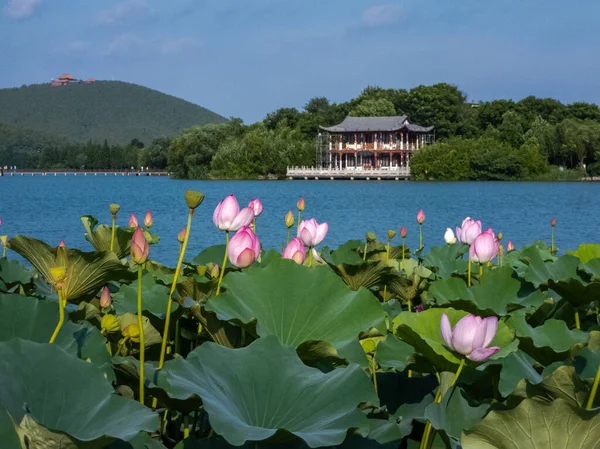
(371, 143)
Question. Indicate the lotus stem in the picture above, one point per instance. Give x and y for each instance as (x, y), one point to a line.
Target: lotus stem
(469, 273)
(254, 225)
(298, 222)
(402, 261)
(182, 248)
(186, 427)
(480, 270)
(409, 305)
(61, 317)
(112, 233)
(224, 263)
(577, 322)
(365, 252)
(590, 402)
(420, 235)
(141, 327)
(4, 251)
(310, 257)
(288, 237)
(552, 243)
(374, 373)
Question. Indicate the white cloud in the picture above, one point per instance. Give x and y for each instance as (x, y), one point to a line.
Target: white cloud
(176, 45)
(20, 9)
(123, 10)
(382, 14)
(125, 43)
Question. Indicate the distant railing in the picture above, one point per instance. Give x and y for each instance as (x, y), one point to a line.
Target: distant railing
(349, 172)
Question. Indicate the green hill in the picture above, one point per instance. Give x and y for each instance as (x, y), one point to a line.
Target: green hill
(112, 110)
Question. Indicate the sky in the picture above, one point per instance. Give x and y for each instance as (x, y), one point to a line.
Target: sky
(246, 58)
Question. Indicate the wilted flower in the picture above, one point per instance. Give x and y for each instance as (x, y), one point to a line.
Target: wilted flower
(148, 219)
(289, 219)
(295, 251)
(132, 332)
(243, 248)
(133, 223)
(193, 198)
(256, 206)
(509, 246)
(114, 209)
(391, 234)
(105, 298)
(553, 222)
(312, 233)
(469, 230)
(403, 232)
(449, 236)
(485, 247)
(181, 235)
(140, 249)
(110, 324)
(471, 336)
(300, 204)
(420, 216)
(228, 217)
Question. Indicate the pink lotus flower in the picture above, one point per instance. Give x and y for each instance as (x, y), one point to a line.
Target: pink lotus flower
(62, 244)
(256, 206)
(420, 216)
(403, 232)
(148, 219)
(509, 246)
(228, 216)
(105, 298)
(471, 336)
(553, 222)
(295, 251)
(243, 248)
(181, 235)
(0, 221)
(485, 247)
(140, 249)
(133, 223)
(469, 230)
(312, 233)
(301, 204)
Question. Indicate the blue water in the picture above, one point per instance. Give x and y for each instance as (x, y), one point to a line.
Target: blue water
(49, 208)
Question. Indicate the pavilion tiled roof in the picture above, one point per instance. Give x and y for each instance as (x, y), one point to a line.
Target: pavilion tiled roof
(385, 124)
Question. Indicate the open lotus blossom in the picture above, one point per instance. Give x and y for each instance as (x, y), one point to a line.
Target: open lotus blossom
(148, 219)
(228, 216)
(468, 231)
(471, 336)
(420, 216)
(105, 298)
(140, 249)
(312, 233)
(509, 246)
(449, 236)
(256, 206)
(485, 247)
(243, 248)
(133, 223)
(403, 232)
(295, 251)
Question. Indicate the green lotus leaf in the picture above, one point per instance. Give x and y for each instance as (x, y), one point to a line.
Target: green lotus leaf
(548, 342)
(161, 273)
(8, 431)
(540, 271)
(12, 272)
(446, 260)
(536, 424)
(592, 267)
(347, 253)
(422, 331)
(365, 275)
(65, 394)
(154, 298)
(514, 368)
(394, 353)
(86, 272)
(563, 383)
(351, 442)
(151, 335)
(311, 305)
(212, 254)
(34, 319)
(272, 391)
(101, 235)
(586, 252)
(141, 441)
(587, 360)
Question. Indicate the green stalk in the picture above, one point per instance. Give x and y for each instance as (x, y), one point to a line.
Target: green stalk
(298, 223)
(224, 263)
(480, 270)
(469, 273)
(186, 427)
(141, 327)
(61, 317)
(365, 252)
(310, 257)
(288, 237)
(420, 235)
(577, 322)
(163, 347)
(402, 261)
(552, 244)
(254, 224)
(373, 367)
(590, 402)
(112, 233)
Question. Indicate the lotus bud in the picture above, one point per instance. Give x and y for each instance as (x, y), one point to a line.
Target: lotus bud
(468, 231)
(61, 259)
(228, 216)
(214, 271)
(553, 222)
(110, 323)
(105, 299)
(201, 270)
(420, 216)
(114, 209)
(449, 236)
(140, 249)
(403, 232)
(243, 248)
(256, 206)
(289, 219)
(193, 198)
(371, 237)
(300, 204)
(471, 336)
(181, 235)
(62, 244)
(133, 223)
(4, 239)
(509, 246)
(484, 248)
(132, 332)
(419, 308)
(499, 236)
(391, 234)
(295, 251)
(148, 219)
(312, 233)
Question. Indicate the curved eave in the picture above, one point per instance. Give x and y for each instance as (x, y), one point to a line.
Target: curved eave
(408, 126)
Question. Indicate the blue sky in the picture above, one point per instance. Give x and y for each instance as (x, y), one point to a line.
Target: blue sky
(245, 58)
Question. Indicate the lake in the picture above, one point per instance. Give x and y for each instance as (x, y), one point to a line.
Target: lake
(48, 208)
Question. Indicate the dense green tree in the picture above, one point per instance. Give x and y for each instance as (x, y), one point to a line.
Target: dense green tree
(511, 130)
(372, 107)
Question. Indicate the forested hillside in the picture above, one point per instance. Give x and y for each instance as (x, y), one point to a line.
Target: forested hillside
(105, 110)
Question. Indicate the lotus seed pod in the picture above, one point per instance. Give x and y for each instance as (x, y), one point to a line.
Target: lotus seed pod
(3, 238)
(132, 332)
(499, 236)
(371, 237)
(391, 234)
(193, 198)
(201, 270)
(114, 209)
(110, 324)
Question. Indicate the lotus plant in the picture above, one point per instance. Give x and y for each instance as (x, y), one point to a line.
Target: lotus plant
(552, 226)
(148, 219)
(295, 251)
(403, 235)
(300, 205)
(468, 231)
(420, 220)
(484, 248)
(369, 238)
(140, 250)
(244, 248)
(311, 234)
(133, 222)
(449, 237)
(257, 207)
(105, 299)
(114, 210)
(228, 217)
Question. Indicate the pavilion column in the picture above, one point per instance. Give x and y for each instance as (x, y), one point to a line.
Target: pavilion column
(390, 159)
(330, 162)
(402, 141)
